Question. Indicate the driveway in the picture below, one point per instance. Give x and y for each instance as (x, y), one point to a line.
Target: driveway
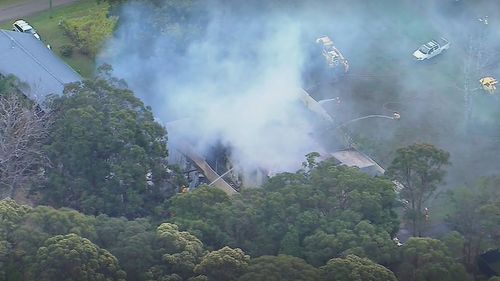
(29, 7)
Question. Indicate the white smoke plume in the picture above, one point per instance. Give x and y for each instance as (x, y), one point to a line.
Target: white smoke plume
(236, 84)
(237, 79)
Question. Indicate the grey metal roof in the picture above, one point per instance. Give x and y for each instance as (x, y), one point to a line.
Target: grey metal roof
(355, 158)
(33, 63)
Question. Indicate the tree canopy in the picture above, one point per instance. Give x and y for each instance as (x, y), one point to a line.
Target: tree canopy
(354, 268)
(282, 267)
(225, 264)
(427, 259)
(315, 215)
(70, 257)
(180, 253)
(419, 168)
(475, 214)
(108, 153)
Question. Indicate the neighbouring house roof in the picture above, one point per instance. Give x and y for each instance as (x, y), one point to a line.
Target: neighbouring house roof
(27, 58)
(354, 158)
(489, 262)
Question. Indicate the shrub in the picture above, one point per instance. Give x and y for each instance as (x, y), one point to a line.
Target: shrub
(88, 33)
(66, 50)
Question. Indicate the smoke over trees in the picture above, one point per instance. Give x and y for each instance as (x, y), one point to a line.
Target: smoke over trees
(233, 69)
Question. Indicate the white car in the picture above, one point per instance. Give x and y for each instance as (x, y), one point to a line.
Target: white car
(23, 26)
(431, 49)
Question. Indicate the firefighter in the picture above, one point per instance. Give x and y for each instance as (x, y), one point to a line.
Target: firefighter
(426, 214)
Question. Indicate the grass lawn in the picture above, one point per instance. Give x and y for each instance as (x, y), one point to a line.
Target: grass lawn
(47, 24)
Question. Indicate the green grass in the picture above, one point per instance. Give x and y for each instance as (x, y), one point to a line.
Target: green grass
(47, 24)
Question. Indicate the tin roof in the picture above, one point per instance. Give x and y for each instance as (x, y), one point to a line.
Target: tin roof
(27, 58)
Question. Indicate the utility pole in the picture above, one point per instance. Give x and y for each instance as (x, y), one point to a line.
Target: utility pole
(474, 64)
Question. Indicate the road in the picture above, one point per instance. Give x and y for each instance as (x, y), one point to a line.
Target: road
(26, 8)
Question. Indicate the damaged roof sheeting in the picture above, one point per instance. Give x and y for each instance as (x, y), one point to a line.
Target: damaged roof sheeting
(27, 58)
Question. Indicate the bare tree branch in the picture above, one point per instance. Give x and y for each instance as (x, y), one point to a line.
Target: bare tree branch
(23, 129)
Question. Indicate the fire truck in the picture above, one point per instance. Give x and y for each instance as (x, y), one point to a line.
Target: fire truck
(333, 56)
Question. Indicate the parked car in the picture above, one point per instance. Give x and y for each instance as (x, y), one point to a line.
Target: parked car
(431, 49)
(23, 26)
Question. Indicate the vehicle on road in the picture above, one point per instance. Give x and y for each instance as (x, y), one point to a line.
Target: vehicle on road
(23, 26)
(431, 49)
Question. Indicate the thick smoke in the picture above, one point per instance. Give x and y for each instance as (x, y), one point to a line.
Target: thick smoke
(237, 83)
(235, 80)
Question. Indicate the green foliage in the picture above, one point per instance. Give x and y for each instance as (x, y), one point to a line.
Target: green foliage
(354, 268)
(180, 253)
(88, 33)
(112, 2)
(426, 259)
(38, 225)
(47, 24)
(338, 209)
(182, 22)
(273, 268)
(310, 162)
(350, 190)
(133, 243)
(362, 239)
(66, 50)
(475, 214)
(108, 152)
(145, 254)
(195, 211)
(71, 257)
(225, 264)
(204, 200)
(454, 241)
(291, 244)
(10, 84)
(11, 214)
(316, 215)
(43, 219)
(419, 168)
